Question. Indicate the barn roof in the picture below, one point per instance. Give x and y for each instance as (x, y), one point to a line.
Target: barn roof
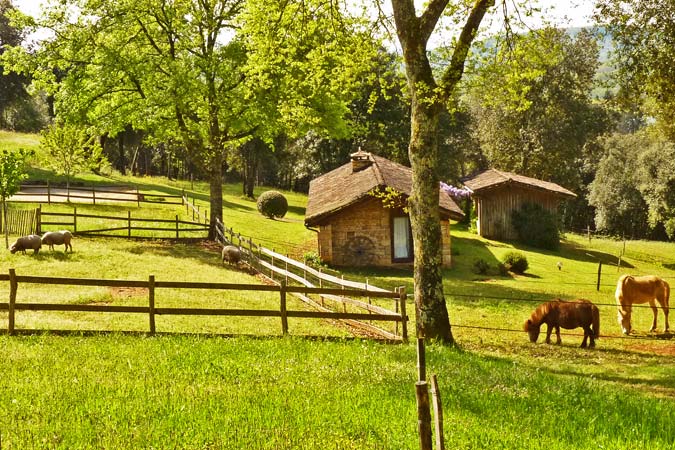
(492, 178)
(350, 184)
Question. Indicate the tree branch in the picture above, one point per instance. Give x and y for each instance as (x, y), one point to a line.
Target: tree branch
(454, 72)
(430, 17)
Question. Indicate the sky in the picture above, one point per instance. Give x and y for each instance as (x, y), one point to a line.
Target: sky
(578, 11)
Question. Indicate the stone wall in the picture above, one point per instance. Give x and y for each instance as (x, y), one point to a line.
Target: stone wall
(361, 236)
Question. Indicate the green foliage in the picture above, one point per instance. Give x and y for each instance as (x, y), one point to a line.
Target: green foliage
(536, 226)
(515, 262)
(272, 204)
(313, 259)
(72, 149)
(532, 105)
(480, 266)
(390, 198)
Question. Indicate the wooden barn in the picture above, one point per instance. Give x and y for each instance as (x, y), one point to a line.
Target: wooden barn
(355, 228)
(497, 194)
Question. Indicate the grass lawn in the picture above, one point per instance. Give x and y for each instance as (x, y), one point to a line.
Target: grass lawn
(201, 390)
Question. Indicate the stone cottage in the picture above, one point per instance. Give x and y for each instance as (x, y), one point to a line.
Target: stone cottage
(354, 226)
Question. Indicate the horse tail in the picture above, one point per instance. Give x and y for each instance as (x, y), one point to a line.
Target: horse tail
(596, 322)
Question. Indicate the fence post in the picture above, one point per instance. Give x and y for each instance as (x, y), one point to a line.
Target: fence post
(129, 223)
(599, 274)
(286, 274)
(138, 198)
(423, 415)
(75, 219)
(176, 226)
(38, 225)
(13, 286)
(402, 296)
(49, 194)
(93, 194)
(282, 308)
(272, 266)
(151, 302)
(182, 197)
(438, 413)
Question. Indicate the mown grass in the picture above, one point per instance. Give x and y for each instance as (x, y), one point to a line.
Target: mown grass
(196, 391)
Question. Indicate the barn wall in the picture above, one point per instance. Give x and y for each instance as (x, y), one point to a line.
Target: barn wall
(494, 209)
(367, 223)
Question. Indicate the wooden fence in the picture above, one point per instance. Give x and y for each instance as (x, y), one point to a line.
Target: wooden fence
(20, 221)
(151, 310)
(282, 269)
(93, 194)
(171, 228)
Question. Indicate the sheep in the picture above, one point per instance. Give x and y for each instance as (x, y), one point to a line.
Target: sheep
(231, 254)
(24, 243)
(52, 238)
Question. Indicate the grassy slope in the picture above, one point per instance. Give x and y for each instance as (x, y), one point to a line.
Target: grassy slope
(194, 392)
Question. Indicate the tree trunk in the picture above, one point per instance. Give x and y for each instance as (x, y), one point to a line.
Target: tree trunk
(432, 313)
(215, 194)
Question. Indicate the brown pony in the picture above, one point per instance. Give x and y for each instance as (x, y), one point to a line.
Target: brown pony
(648, 288)
(559, 313)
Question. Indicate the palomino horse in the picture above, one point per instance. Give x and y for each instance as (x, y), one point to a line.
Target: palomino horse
(559, 313)
(648, 288)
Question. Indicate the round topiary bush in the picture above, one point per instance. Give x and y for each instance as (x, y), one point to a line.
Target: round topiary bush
(515, 262)
(272, 204)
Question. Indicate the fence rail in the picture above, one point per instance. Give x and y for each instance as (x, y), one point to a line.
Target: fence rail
(93, 194)
(177, 226)
(152, 310)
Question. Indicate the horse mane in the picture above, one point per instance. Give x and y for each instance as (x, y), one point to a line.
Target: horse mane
(539, 313)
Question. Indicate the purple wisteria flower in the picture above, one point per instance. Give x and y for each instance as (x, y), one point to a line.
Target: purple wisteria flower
(455, 192)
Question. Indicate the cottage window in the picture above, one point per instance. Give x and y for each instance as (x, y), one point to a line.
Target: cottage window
(401, 239)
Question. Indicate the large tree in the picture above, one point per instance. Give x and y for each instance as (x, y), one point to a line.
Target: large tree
(196, 72)
(644, 35)
(430, 94)
(539, 110)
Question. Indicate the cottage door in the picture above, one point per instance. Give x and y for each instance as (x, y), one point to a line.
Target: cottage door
(402, 238)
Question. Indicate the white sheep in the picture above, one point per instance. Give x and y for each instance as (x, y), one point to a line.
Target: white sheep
(231, 254)
(52, 238)
(24, 243)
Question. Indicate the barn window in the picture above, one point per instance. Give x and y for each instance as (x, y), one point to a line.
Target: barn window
(402, 250)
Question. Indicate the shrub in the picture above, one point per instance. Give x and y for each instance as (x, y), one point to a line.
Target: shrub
(272, 204)
(481, 266)
(502, 269)
(536, 226)
(515, 262)
(313, 259)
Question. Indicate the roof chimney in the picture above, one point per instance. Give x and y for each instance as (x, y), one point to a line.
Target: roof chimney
(360, 160)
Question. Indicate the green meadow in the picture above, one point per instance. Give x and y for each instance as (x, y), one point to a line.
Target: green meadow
(236, 383)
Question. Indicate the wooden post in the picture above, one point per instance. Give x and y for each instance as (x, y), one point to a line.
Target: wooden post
(599, 274)
(49, 194)
(588, 231)
(38, 225)
(421, 361)
(423, 415)
(321, 286)
(182, 197)
(129, 223)
(138, 198)
(286, 274)
(176, 226)
(151, 302)
(193, 212)
(75, 219)
(284, 316)
(13, 287)
(272, 268)
(438, 413)
(93, 194)
(402, 296)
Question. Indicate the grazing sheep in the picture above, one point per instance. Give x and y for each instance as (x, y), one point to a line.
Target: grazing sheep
(231, 254)
(52, 238)
(24, 243)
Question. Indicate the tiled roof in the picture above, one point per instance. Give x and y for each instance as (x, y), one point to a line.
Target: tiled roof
(343, 187)
(491, 178)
